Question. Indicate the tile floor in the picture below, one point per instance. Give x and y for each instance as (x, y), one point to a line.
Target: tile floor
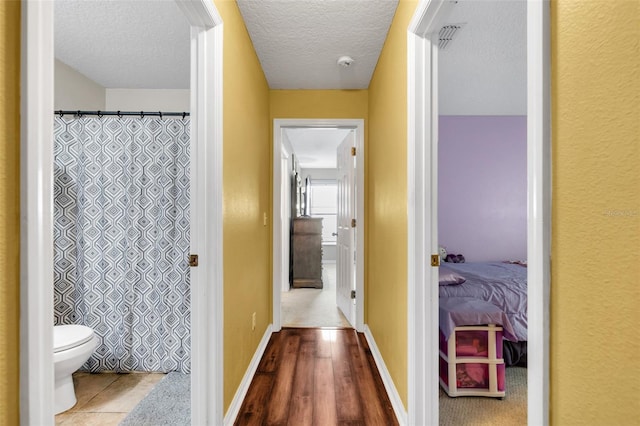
(107, 398)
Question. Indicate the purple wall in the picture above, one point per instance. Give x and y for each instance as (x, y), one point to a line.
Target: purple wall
(482, 182)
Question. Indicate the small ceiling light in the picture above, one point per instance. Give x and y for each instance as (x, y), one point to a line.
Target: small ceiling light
(345, 61)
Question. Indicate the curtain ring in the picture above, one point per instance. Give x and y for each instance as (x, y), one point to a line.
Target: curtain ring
(79, 114)
(61, 114)
(141, 114)
(119, 114)
(99, 114)
(160, 113)
(184, 114)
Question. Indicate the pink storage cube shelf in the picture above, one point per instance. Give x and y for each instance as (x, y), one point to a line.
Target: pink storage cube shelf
(471, 362)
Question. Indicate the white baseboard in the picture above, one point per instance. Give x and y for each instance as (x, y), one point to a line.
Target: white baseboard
(238, 398)
(396, 402)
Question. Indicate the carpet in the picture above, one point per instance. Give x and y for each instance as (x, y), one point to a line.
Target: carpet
(311, 307)
(477, 410)
(168, 403)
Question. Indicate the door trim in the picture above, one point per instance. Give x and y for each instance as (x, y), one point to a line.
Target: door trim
(36, 220)
(422, 229)
(278, 274)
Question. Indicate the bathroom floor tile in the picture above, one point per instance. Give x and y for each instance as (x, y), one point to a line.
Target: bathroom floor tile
(88, 385)
(123, 394)
(93, 419)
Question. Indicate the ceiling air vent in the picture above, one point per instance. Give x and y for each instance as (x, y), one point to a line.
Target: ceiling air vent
(447, 34)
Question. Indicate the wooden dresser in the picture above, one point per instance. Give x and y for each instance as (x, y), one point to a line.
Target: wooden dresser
(306, 252)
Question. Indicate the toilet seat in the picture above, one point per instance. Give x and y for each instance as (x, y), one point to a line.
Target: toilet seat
(69, 336)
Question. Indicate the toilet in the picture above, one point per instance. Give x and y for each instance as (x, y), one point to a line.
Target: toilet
(72, 347)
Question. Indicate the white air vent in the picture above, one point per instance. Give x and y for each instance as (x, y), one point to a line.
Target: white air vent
(448, 33)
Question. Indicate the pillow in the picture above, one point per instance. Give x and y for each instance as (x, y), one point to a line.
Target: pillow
(449, 277)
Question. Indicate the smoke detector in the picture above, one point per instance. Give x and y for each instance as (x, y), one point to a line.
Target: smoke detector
(345, 61)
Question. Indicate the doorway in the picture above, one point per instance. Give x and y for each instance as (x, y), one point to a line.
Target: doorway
(300, 202)
(428, 19)
(36, 374)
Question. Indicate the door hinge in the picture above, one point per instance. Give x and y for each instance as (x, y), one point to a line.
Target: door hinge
(435, 260)
(353, 223)
(193, 260)
(353, 151)
(353, 294)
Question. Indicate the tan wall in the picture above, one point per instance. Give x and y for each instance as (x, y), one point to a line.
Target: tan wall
(318, 104)
(9, 210)
(247, 188)
(387, 200)
(75, 91)
(595, 281)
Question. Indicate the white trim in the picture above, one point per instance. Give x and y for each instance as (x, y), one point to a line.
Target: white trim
(422, 121)
(394, 396)
(36, 290)
(36, 215)
(241, 392)
(539, 207)
(422, 232)
(278, 125)
(206, 205)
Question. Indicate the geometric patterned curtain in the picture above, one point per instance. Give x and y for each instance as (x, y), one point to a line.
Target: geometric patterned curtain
(121, 238)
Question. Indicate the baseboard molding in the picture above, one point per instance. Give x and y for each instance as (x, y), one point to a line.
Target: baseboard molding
(238, 398)
(396, 402)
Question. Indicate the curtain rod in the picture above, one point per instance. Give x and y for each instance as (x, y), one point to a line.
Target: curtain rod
(123, 113)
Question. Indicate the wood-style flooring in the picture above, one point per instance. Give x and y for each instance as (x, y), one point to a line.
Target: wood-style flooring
(311, 376)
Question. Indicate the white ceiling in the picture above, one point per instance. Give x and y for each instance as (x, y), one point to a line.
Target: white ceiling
(316, 148)
(483, 71)
(299, 42)
(145, 44)
(130, 44)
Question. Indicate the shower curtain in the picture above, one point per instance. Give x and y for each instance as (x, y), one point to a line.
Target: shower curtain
(121, 238)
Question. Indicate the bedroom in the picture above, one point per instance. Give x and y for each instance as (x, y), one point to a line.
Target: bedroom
(482, 210)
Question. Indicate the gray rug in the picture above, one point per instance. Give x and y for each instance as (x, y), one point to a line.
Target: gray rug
(168, 403)
(481, 411)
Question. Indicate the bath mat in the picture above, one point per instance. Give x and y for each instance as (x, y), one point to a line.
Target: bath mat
(169, 403)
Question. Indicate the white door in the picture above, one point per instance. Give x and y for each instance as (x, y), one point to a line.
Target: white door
(345, 253)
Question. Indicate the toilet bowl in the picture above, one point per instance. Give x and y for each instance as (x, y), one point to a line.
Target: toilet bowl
(72, 347)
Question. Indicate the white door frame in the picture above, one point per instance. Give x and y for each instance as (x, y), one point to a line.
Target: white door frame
(422, 226)
(278, 274)
(36, 219)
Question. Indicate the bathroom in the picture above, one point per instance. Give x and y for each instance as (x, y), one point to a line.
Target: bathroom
(121, 206)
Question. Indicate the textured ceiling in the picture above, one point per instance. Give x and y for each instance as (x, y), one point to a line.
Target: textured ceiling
(145, 44)
(299, 42)
(316, 148)
(483, 71)
(124, 44)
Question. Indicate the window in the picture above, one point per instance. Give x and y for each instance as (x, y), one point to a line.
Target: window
(324, 204)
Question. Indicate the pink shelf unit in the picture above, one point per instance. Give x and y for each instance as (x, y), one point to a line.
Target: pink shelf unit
(471, 362)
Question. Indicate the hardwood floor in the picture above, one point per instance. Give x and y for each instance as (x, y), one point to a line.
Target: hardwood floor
(312, 376)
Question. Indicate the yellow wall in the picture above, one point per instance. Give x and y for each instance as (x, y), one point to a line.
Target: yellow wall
(9, 209)
(246, 186)
(318, 104)
(595, 372)
(387, 200)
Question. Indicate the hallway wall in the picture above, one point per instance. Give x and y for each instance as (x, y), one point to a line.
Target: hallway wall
(246, 196)
(9, 211)
(596, 212)
(387, 200)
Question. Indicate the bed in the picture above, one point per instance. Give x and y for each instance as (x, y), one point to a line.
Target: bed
(499, 283)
